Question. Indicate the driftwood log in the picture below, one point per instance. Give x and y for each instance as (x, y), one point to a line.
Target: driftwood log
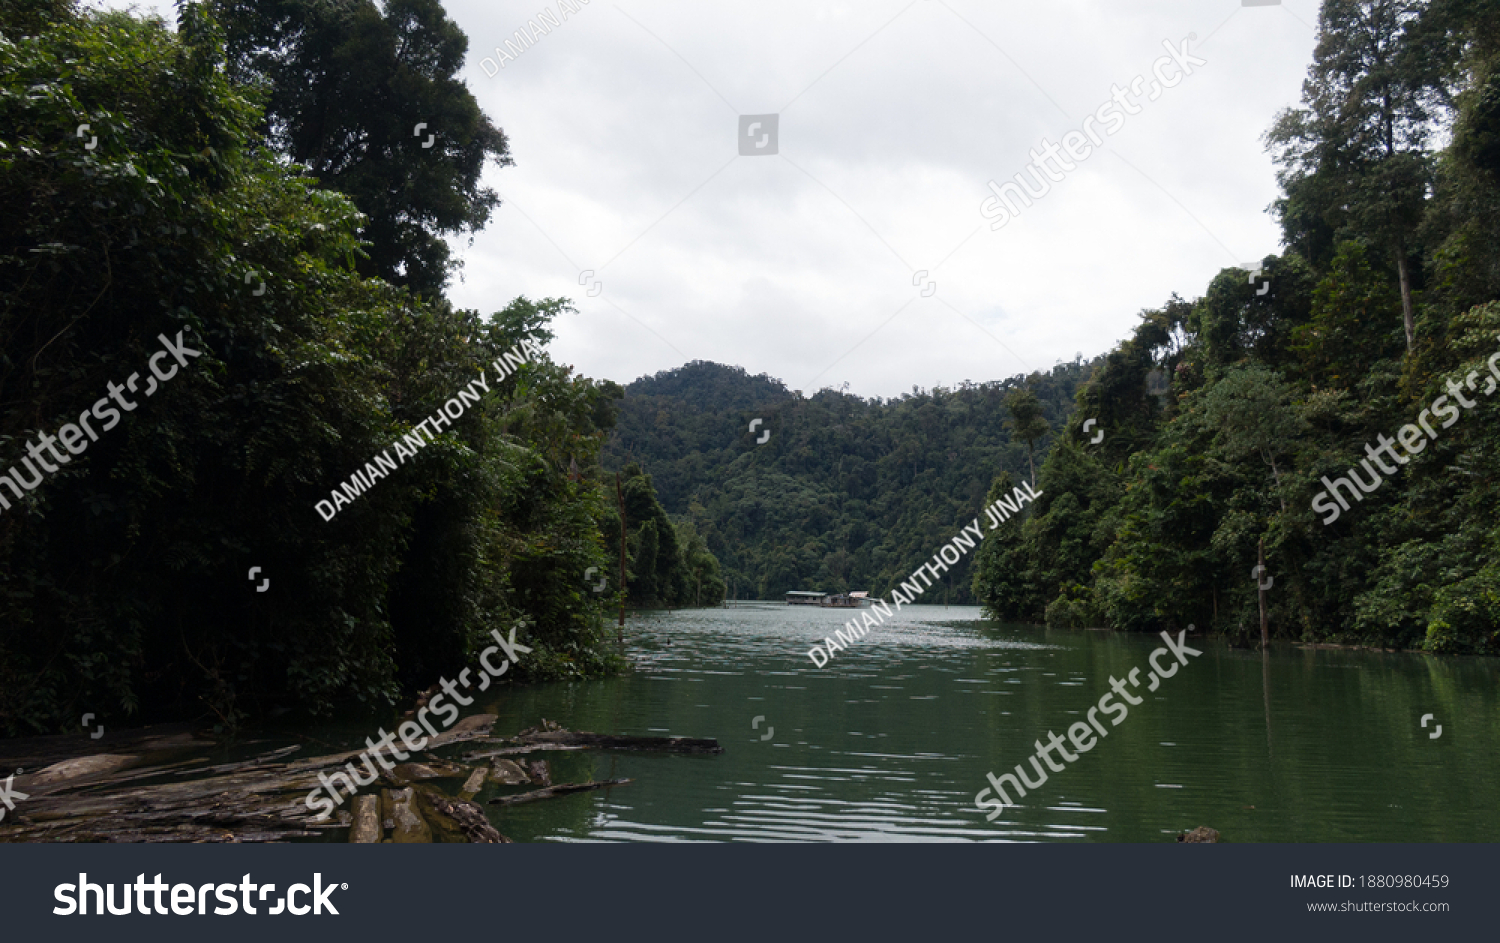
(537, 794)
(470, 728)
(461, 816)
(409, 827)
(514, 751)
(599, 741)
(474, 783)
(156, 784)
(366, 827)
(34, 753)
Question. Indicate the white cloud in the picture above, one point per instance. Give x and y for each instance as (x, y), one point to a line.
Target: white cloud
(894, 115)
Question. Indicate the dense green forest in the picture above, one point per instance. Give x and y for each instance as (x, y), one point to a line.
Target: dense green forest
(223, 266)
(246, 191)
(1226, 417)
(845, 493)
(1380, 317)
(668, 564)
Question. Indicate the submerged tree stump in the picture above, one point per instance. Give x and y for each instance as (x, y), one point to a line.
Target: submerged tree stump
(463, 817)
(509, 773)
(366, 827)
(410, 828)
(474, 783)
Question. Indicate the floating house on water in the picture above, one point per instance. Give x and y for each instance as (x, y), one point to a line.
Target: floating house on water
(828, 600)
(840, 601)
(803, 598)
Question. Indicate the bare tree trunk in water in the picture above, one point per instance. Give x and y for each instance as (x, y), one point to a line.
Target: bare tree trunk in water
(1265, 637)
(1265, 687)
(1411, 326)
(620, 497)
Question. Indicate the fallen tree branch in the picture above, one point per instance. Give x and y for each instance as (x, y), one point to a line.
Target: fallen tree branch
(606, 742)
(550, 791)
(511, 751)
(251, 763)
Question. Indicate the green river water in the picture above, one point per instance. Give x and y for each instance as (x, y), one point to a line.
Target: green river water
(892, 739)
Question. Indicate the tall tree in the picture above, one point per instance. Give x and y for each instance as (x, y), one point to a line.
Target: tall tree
(367, 97)
(670, 565)
(1464, 36)
(1027, 422)
(1352, 159)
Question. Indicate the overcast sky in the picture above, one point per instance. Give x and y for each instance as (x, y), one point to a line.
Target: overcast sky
(892, 115)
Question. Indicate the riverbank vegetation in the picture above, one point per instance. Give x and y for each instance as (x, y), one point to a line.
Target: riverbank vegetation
(251, 182)
(1217, 421)
(1224, 414)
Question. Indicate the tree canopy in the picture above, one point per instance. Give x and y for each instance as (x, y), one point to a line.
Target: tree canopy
(123, 575)
(1272, 396)
(366, 96)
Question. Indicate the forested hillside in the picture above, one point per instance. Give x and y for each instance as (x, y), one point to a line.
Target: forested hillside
(845, 493)
(1344, 417)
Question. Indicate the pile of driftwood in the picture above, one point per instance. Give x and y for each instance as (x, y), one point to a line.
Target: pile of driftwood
(148, 785)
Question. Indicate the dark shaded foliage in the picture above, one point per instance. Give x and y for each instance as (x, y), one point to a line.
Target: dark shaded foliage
(123, 575)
